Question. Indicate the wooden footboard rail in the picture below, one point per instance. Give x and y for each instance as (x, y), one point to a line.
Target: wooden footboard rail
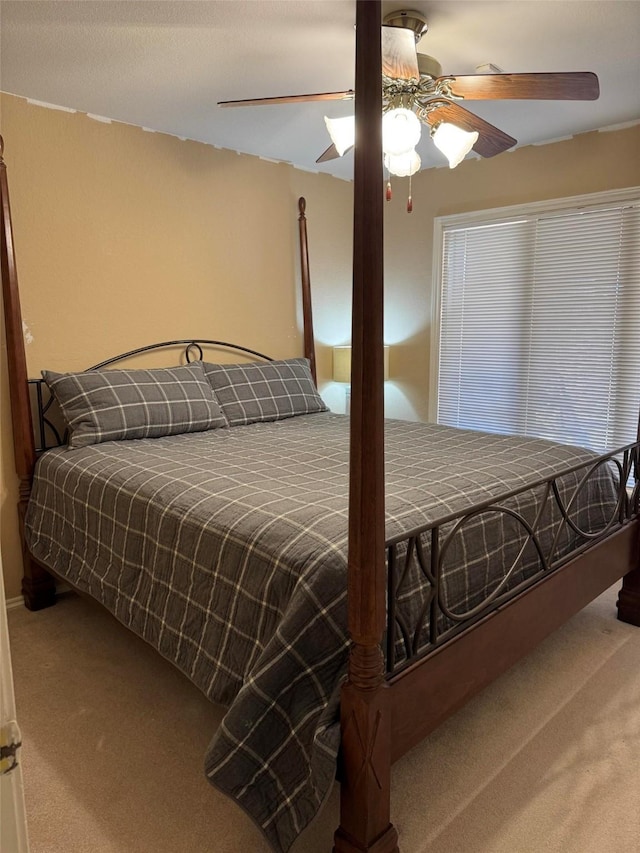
(466, 651)
(428, 691)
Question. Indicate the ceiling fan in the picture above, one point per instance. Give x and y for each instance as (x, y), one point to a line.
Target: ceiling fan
(413, 88)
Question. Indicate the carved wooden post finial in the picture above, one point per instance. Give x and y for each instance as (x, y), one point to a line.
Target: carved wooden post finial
(307, 312)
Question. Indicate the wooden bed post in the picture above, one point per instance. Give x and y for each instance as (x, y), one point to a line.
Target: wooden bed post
(365, 762)
(629, 596)
(38, 586)
(307, 312)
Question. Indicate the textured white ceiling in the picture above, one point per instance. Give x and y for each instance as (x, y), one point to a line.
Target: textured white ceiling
(164, 65)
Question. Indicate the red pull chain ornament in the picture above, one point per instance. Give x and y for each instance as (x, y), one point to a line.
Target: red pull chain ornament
(389, 194)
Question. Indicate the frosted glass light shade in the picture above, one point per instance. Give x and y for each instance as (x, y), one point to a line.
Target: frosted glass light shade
(342, 364)
(401, 131)
(454, 142)
(342, 132)
(403, 165)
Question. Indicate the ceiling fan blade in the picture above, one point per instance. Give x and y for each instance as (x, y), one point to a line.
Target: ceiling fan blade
(399, 57)
(291, 99)
(331, 153)
(569, 86)
(491, 140)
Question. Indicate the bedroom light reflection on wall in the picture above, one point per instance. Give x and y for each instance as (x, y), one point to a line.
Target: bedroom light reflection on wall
(342, 370)
(403, 322)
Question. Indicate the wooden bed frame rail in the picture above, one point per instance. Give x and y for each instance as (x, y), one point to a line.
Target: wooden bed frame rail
(425, 694)
(381, 716)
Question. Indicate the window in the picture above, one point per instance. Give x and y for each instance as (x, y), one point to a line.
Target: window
(538, 320)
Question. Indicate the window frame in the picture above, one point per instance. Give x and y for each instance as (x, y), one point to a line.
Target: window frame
(493, 216)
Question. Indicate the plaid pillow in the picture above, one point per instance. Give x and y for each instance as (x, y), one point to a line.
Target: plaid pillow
(264, 392)
(110, 405)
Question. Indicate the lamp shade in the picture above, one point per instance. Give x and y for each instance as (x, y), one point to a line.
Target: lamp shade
(401, 131)
(342, 364)
(342, 132)
(403, 165)
(454, 142)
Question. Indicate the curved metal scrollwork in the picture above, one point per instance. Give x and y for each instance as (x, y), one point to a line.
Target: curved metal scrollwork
(420, 618)
(194, 346)
(188, 344)
(532, 537)
(565, 510)
(49, 435)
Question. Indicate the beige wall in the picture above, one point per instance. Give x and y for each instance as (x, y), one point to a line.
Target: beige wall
(125, 237)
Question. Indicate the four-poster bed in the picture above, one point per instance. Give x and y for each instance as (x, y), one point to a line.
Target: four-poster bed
(562, 519)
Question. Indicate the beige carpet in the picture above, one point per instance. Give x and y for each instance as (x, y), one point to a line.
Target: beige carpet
(546, 759)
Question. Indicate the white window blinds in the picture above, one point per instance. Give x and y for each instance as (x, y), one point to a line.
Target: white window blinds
(540, 325)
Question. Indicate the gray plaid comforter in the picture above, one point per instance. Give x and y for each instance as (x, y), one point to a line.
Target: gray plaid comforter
(226, 550)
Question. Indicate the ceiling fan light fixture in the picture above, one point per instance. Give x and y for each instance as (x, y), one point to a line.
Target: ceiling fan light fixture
(454, 142)
(342, 132)
(401, 131)
(403, 165)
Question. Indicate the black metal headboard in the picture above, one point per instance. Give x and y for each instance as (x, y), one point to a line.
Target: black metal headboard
(48, 424)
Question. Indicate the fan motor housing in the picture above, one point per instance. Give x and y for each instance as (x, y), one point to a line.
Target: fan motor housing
(409, 19)
(429, 66)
